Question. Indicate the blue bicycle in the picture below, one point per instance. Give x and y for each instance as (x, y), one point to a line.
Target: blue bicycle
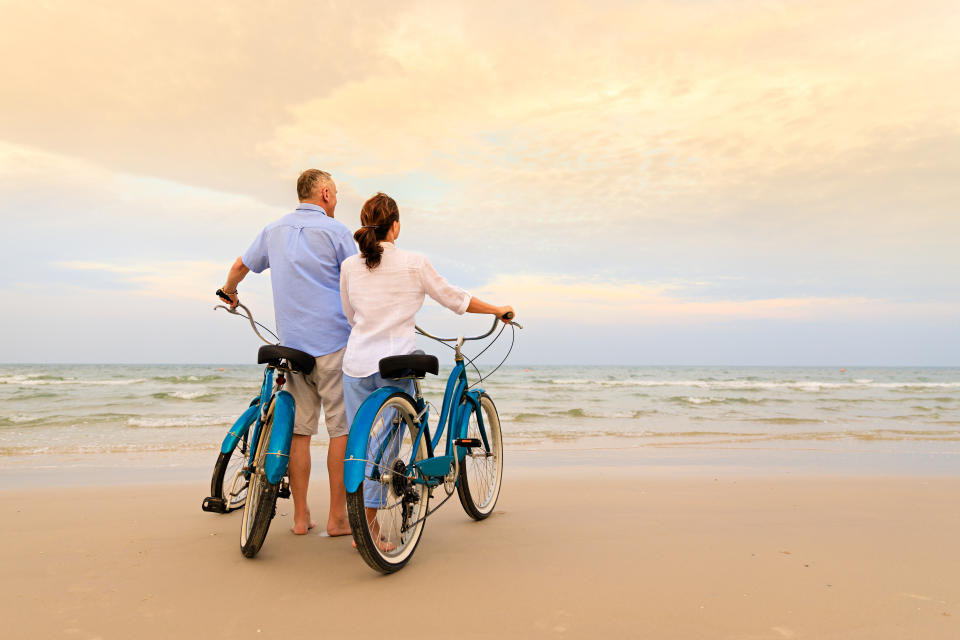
(392, 465)
(251, 468)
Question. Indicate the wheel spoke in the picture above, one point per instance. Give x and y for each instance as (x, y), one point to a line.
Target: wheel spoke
(234, 484)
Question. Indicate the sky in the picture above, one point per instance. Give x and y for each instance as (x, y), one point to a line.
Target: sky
(685, 182)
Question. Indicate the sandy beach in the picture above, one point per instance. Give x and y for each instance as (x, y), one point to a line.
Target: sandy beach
(569, 553)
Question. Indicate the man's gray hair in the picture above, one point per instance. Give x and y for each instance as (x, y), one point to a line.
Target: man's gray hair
(309, 180)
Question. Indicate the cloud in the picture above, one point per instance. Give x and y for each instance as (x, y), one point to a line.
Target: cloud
(673, 140)
(596, 302)
(639, 112)
(624, 111)
(179, 90)
(57, 207)
(169, 280)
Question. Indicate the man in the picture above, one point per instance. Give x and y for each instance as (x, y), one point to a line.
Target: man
(303, 251)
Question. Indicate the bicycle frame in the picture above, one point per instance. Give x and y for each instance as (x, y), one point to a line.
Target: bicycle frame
(458, 404)
(281, 404)
(241, 427)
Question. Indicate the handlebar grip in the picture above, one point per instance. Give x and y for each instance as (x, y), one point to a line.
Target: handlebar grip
(223, 296)
(507, 316)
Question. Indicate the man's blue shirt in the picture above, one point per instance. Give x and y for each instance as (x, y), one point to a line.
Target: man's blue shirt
(303, 251)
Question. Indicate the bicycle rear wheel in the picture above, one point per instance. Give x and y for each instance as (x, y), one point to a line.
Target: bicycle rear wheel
(482, 470)
(388, 510)
(260, 505)
(226, 484)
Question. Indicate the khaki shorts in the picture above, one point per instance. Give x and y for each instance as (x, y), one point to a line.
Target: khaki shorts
(322, 389)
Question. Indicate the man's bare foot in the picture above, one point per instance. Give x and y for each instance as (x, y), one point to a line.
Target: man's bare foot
(338, 527)
(301, 528)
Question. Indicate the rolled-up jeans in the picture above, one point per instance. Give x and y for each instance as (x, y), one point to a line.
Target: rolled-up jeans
(355, 391)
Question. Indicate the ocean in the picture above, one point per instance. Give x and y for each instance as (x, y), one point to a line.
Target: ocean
(54, 415)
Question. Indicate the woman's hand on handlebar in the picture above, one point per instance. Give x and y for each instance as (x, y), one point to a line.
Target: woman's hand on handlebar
(506, 313)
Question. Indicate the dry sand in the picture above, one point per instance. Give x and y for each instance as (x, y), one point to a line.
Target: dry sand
(568, 554)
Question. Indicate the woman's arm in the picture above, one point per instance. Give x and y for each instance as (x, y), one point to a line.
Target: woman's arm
(454, 298)
(479, 306)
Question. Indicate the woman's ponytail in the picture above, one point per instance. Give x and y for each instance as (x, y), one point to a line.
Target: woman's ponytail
(377, 215)
(370, 248)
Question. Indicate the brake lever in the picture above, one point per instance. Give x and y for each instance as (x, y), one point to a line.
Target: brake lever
(227, 309)
(508, 316)
(234, 311)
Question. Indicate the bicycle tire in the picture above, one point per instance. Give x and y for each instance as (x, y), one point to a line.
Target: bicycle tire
(260, 505)
(225, 484)
(481, 474)
(388, 524)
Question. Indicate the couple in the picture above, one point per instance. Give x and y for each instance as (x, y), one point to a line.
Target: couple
(348, 310)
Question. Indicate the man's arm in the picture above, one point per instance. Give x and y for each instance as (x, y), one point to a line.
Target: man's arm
(237, 273)
(346, 247)
(345, 299)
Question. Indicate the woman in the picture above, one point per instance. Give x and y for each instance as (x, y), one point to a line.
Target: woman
(381, 289)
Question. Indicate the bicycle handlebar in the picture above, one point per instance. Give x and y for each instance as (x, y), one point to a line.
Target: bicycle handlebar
(507, 316)
(249, 316)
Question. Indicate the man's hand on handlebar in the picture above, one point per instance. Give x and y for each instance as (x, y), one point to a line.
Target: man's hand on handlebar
(231, 298)
(506, 314)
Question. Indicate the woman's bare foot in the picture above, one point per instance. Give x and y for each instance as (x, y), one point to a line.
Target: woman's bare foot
(374, 526)
(384, 545)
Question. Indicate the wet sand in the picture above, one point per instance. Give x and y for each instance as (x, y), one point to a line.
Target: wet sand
(569, 553)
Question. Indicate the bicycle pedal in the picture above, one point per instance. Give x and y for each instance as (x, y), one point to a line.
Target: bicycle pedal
(214, 505)
(284, 492)
(468, 443)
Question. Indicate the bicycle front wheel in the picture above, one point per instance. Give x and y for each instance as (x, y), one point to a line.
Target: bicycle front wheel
(226, 483)
(387, 512)
(482, 469)
(260, 505)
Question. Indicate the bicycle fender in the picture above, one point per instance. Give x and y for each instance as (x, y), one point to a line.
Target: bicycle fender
(474, 397)
(240, 427)
(266, 388)
(461, 415)
(356, 454)
(278, 451)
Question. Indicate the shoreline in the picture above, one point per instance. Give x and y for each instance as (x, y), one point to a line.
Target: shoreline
(672, 461)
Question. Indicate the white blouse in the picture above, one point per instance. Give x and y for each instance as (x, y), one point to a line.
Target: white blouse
(381, 305)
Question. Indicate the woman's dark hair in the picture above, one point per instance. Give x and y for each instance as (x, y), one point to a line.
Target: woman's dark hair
(376, 216)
